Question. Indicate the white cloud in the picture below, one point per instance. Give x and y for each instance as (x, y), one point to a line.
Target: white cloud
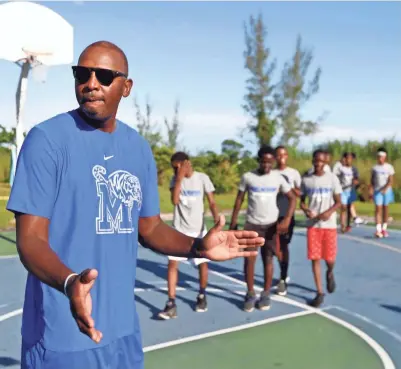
(359, 134)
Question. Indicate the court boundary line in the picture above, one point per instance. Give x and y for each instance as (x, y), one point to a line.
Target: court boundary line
(360, 240)
(380, 351)
(10, 314)
(16, 312)
(220, 332)
(379, 326)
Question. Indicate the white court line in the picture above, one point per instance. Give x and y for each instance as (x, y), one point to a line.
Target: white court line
(138, 290)
(10, 314)
(371, 242)
(226, 330)
(8, 257)
(362, 240)
(209, 289)
(384, 356)
(383, 328)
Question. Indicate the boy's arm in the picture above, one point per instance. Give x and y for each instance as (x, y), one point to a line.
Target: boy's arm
(209, 189)
(389, 181)
(237, 207)
(337, 201)
(213, 206)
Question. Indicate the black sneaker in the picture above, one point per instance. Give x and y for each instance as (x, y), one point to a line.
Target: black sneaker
(317, 301)
(201, 303)
(264, 301)
(250, 301)
(282, 288)
(331, 283)
(169, 312)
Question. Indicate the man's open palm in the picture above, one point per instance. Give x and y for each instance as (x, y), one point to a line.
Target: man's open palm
(219, 245)
(81, 303)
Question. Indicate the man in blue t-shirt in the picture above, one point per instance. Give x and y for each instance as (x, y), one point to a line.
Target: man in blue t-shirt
(85, 190)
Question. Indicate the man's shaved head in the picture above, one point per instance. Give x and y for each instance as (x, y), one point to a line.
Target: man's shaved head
(111, 47)
(101, 81)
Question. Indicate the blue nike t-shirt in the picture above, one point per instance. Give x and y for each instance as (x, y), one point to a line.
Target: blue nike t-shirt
(93, 186)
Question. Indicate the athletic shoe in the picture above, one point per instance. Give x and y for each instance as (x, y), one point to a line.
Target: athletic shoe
(385, 233)
(169, 312)
(250, 301)
(379, 234)
(359, 221)
(264, 301)
(318, 300)
(201, 303)
(330, 281)
(282, 288)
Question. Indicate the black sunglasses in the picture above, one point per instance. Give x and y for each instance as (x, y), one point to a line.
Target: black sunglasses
(104, 76)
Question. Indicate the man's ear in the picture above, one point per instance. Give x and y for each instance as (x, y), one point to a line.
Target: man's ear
(127, 87)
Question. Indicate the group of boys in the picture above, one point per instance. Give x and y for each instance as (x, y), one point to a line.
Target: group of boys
(273, 190)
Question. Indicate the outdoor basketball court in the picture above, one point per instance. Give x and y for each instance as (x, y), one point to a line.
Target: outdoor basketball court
(358, 327)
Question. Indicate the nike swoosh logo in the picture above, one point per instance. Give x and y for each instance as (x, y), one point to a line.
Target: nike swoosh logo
(108, 157)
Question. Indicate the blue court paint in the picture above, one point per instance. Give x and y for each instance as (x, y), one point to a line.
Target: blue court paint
(367, 279)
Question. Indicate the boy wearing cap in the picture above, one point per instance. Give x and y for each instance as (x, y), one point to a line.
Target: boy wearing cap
(381, 191)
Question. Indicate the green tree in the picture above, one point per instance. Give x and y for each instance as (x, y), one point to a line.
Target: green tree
(293, 92)
(259, 101)
(232, 149)
(7, 136)
(173, 127)
(162, 155)
(146, 127)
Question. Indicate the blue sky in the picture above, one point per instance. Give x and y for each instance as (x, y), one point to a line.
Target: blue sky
(193, 51)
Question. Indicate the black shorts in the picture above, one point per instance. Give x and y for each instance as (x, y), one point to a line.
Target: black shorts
(269, 233)
(286, 238)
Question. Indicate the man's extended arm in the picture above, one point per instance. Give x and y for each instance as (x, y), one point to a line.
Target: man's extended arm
(35, 252)
(159, 236)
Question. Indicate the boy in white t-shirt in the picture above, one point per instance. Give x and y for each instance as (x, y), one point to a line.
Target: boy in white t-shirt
(381, 191)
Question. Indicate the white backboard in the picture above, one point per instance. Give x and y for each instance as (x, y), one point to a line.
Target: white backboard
(27, 28)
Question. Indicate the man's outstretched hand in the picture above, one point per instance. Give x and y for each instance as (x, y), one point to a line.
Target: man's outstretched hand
(78, 292)
(219, 245)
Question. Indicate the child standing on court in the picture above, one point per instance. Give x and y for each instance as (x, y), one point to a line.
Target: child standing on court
(188, 189)
(349, 179)
(263, 185)
(381, 190)
(323, 190)
(293, 178)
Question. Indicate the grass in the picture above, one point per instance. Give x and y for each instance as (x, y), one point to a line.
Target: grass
(225, 202)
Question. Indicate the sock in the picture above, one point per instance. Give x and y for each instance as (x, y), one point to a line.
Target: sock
(284, 270)
(378, 227)
(384, 226)
(202, 291)
(171, 300)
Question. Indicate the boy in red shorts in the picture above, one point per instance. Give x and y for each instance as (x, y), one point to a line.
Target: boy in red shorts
(323, 190)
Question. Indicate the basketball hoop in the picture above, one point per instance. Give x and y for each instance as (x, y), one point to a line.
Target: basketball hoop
(35, 60)
(37, 37)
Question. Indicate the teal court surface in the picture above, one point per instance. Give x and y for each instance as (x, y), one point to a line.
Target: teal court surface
(357, 327)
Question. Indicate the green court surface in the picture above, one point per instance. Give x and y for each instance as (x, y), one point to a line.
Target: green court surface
(7, 243)
(305, 342)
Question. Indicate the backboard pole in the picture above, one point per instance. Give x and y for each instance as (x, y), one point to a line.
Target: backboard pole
(20, 104)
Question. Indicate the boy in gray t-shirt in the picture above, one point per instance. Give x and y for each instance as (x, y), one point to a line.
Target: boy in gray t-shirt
(293, 178)
(263, 186)
(348, 176)
(381, 190)
(188, 189)
(323, 191)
